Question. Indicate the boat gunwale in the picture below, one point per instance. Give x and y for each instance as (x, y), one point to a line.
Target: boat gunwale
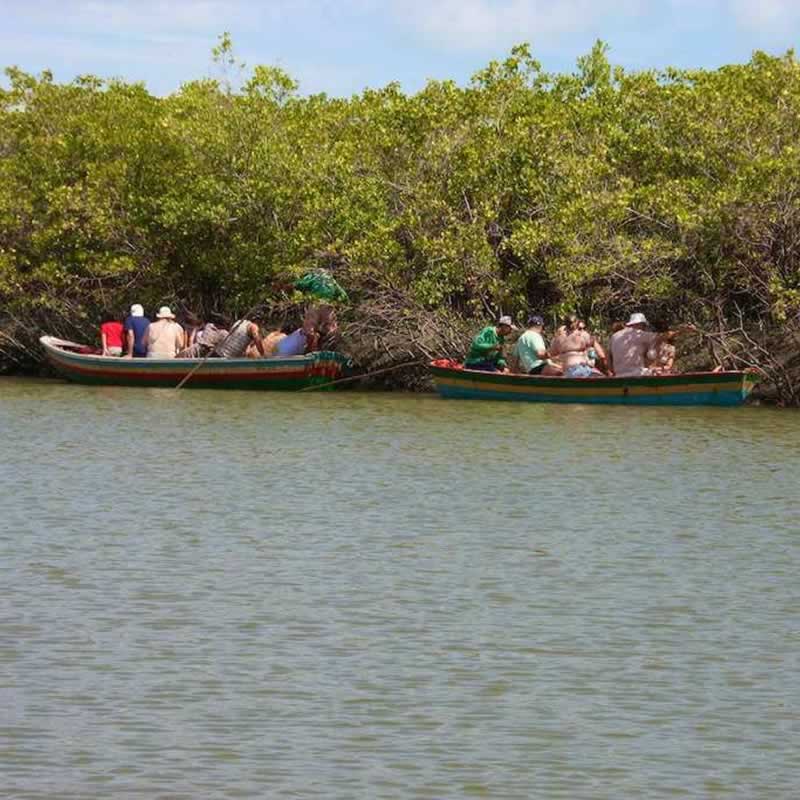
(120, 364)
(563, 381)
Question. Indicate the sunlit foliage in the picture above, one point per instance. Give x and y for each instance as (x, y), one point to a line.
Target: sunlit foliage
(672, 192)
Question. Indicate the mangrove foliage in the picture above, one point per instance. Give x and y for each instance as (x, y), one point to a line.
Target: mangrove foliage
(600, 191)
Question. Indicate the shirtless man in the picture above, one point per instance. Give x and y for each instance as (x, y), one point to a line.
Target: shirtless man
(628, 347)
(571, 348)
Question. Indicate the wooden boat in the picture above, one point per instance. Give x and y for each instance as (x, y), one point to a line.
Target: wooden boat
(280, 373)
(686, 389)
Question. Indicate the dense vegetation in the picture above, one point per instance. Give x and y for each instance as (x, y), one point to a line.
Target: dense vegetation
(602, 191)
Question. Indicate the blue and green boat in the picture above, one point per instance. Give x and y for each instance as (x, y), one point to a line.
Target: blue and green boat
(686, 389)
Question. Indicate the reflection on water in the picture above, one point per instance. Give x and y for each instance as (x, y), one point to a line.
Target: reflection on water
(352, 595)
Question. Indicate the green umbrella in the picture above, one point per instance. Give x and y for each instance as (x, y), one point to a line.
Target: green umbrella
(321, 284)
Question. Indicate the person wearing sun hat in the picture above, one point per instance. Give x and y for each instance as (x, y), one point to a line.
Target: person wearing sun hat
(486, 350)
(628, 347)
(165, 338)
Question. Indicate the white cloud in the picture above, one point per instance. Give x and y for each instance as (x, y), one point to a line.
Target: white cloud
(454, 24)
(340, 45)
(143, 19)
(770, 16)
(486, 24)
(150, 15)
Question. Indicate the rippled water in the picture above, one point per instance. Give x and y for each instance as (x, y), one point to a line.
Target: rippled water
(381, 596)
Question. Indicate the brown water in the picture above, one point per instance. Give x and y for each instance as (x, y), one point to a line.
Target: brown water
(380, 596)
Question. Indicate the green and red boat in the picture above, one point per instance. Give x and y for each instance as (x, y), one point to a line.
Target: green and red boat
(686, 389)
(280, 373)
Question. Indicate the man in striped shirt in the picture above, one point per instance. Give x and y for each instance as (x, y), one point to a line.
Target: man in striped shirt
(243, 333)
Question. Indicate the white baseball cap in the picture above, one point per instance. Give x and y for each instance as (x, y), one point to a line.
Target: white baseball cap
(137, 310)
(506, 320)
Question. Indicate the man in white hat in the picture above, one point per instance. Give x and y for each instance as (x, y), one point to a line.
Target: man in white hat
(165, 338)
(486, 350)
(136, 326)
(628, 347)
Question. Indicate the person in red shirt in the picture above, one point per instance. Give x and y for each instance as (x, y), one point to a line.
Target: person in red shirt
(111, 333)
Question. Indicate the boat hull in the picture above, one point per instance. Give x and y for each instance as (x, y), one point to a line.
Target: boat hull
(276, 374)
(688, 389)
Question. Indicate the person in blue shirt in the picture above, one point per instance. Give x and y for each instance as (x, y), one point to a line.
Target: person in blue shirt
(295, 344)
(136, 326)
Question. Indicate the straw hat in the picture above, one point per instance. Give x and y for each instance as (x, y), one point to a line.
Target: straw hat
(165, 313)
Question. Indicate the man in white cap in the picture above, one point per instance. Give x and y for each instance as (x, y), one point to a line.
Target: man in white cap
(486, 350)
(136, 326)
(628, 347)
(165, 338)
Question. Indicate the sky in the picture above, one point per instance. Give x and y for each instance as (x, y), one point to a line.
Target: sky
(343, 46)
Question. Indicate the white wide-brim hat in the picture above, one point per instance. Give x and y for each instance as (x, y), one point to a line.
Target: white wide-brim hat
(165, 313)
(637, 319)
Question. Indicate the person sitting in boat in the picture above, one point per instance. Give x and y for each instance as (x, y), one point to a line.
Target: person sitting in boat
(629, 347)
(205, 341)
(270, 341)
(136, 326)
(165, 338)
(661, 357)
(243, 333)
(112, 334)
(192, 325)
(592, 355)
(317, 332)
(571, 348)
(321, 326)
(296, 343)
(486, 351)
(530, 349)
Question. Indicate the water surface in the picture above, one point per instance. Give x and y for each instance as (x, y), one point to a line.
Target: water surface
(347, 595)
